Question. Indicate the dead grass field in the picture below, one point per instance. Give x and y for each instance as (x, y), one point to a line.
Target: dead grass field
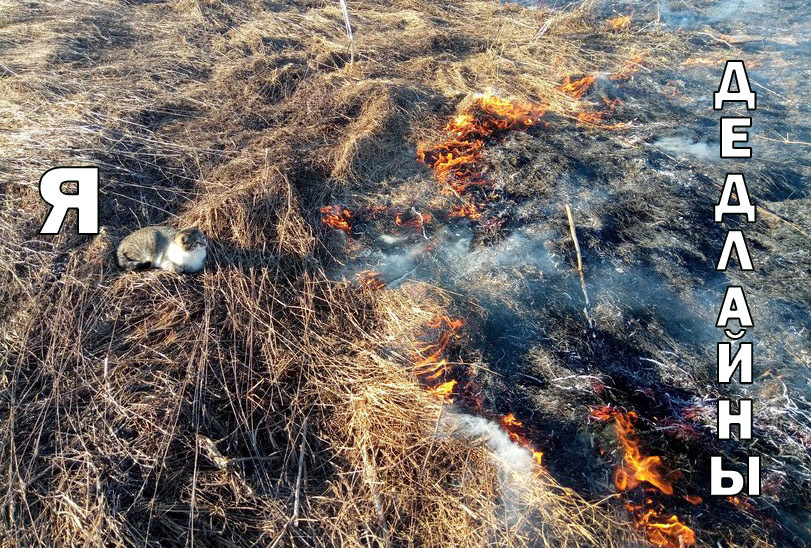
(260, 403)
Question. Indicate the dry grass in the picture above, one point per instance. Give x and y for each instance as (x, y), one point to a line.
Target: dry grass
(157, 410)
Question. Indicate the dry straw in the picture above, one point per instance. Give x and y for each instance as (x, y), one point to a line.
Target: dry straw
(260, 402)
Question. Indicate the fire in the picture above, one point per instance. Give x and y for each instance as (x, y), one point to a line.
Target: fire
(698, 61)
(456, 160)
(639, 468)
(370, 280)
(620, 22)
(445, 390)
(429, 364)
(467, 209)
(667, 532)
(576, 88)
(418, 220)
(636, 469)
(336, 217)
(693, 499)
(596, 117)
(515, 429)
(509, 421)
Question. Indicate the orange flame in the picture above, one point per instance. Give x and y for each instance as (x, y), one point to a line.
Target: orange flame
(336, 217)
(576, 88)
(370, 280)
(455, 161)
(663, 531)
(444, 391)
(596, 117)
(666, 532)
(429, 363)
(467, 209)
(620, 22)
(515, 430)
(699, 61)
(640, 468)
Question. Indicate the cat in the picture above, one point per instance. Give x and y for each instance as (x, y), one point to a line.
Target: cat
(164, 247)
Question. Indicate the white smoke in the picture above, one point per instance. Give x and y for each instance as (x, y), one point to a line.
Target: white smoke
(515, 461)
(679, 145)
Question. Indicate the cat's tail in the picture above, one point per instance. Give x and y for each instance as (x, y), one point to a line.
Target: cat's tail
(128, 262)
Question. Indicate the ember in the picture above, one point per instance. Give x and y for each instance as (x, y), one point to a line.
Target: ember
(370, 280)
(620, 22)
(336, 217)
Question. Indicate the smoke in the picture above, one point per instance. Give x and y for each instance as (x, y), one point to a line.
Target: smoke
(680, 145)
(515, 462)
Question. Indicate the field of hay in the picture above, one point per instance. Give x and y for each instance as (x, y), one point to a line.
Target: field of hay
(263, 402)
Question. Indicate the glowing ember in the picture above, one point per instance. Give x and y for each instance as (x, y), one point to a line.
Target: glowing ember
(693, 499)
(466, 210)
(370, 280)
(455, 161)
(336, 217)
(620, 22)
(576, 88)
(416, 220)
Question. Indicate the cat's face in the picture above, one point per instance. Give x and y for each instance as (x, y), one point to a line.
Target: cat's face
(191, 238)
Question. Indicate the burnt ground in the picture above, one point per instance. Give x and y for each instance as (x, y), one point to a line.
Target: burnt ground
(642, 201)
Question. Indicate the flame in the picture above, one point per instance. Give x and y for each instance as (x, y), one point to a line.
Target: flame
(636, 469)
(371, 280)
(515, 430)
(640, 469)
(467, 209)
(666, 532)
(429, 364)
(444, 391)
(576, 88)
(509, 421)
(456, 160)
(698, 61)
(336, 217)
(596, 117)
(620, 22)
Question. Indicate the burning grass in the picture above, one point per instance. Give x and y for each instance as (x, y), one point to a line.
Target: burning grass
(264, 402)
(640, 470)
(259, 401)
